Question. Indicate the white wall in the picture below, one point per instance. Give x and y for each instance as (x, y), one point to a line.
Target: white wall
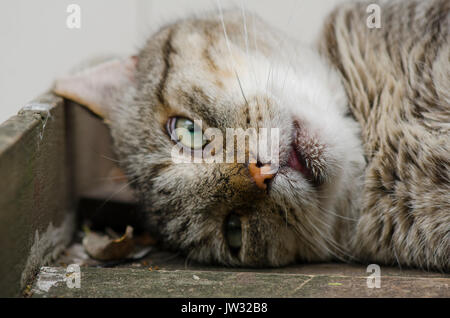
(36, 45)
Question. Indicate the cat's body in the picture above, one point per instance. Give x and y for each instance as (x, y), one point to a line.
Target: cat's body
(397, 79)
(377, 191)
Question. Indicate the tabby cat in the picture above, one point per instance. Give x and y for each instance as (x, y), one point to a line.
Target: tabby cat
(363, 121)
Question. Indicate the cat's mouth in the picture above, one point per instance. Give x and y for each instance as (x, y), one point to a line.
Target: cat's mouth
(297, 162)
(306, 155)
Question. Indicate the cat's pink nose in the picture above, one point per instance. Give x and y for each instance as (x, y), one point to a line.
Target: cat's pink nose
(261, 174)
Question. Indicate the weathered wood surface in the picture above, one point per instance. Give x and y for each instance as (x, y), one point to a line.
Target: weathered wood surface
(163, 274)
(311, 280)
(35, 193)
(51, 154)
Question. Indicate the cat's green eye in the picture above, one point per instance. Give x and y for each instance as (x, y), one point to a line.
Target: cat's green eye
(186, 132)
(233, 233)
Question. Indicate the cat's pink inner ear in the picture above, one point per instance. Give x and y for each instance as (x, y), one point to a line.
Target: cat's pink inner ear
(96, 87)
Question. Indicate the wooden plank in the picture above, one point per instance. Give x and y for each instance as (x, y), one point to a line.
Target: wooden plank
(134, 282)
(35, 191)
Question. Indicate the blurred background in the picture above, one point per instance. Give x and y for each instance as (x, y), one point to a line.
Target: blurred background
(36, 45)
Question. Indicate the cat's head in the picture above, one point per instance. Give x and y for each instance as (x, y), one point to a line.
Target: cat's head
(244, 76)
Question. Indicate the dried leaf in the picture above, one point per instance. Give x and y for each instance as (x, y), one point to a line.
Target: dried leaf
(104, 248)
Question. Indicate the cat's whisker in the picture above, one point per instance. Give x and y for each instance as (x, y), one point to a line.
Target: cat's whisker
(246, 39)
(340, 254)
(245, 28)
(286, 76)
(327, 238)
(227, 40)
(110, 159)
(268, 77)
(294, 9)
(313, 245)
(108, 199)
(329, 212)
(242, 90)
(121, 189)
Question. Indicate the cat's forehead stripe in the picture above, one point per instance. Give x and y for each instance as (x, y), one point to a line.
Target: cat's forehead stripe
(167, 50)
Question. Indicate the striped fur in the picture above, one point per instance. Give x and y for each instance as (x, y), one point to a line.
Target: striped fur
(397, 79)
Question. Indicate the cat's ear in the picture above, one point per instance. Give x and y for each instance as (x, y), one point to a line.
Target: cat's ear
(96, 87)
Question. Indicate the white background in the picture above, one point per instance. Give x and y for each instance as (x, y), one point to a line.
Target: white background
(36, 45)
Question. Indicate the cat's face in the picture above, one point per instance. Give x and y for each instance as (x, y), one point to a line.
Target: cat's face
(217, 212)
